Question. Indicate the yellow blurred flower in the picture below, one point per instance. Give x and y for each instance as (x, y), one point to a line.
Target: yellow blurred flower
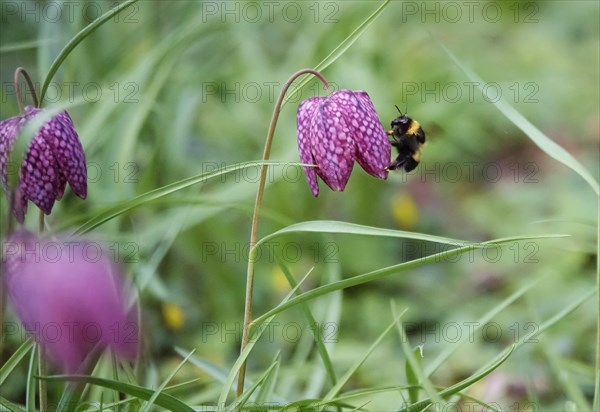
(279, 281)
(404, 210)
(173, 316)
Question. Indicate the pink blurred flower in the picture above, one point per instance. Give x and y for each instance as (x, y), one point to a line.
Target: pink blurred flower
(336, 130)
(54, 157)
(70, 296)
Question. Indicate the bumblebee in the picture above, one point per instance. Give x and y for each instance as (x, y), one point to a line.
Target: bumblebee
(408, 139)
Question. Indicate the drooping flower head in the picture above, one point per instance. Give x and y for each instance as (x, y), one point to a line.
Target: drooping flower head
(54, 157)
(69, 295)
(336, 130)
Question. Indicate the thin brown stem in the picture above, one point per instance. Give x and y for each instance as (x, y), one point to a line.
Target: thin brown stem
(41, 223)
(22, 72)
(256, 217)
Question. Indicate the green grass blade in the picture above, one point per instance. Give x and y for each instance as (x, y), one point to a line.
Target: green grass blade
(491, 407)
(486, 370)
(414, 366)
(79, 37)
(314, 328)
(217, 372)
(268, 387)
(11, 407)
(454, 389)
(12, 362)
(384, 272)
(160, 389)
(555, 319)
(155, 194)
(131, 134)
(411, 375)
(569, 386)
(23, 45)
(164, 400)
(255, 334)
(445, 354)
(248, 393)
(343, 46)
(344, 379)
(74, 390)
(30, 381)
(333, 226)
(546, 144)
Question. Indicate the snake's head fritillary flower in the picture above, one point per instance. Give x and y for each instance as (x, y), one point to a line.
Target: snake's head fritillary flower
(69, 295)
(336, 130)
(54, 157)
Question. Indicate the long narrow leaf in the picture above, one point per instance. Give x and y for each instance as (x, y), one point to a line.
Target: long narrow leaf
(555, 319)
(160, 389)
(30, 381)
(79, 37)
(382, 273)
(227, 386)
(444, 355)
(454, 389)
(344, 379)
(248, 393)
(414, 365)
(333, 226)
(13, 361)
(344, 45)
(155, 194)
(316, 333)
(268, 386)
(164, 400)
(550, 147)
(11, 407)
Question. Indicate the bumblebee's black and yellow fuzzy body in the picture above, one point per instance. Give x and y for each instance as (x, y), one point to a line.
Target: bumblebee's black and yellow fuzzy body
(408, 139)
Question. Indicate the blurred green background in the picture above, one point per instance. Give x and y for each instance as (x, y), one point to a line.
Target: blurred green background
(170, 89)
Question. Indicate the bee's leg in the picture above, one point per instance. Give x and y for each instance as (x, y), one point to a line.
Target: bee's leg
(396, 164)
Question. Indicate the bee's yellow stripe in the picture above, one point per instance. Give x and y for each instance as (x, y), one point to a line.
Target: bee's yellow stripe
(417, 156)
(414, 127)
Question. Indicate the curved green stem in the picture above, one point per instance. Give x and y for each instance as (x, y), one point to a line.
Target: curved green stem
(22, 72)
(256, 217)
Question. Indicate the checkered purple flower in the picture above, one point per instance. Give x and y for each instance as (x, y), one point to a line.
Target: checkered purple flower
(336, 130)
(69, 295)
(54, 157)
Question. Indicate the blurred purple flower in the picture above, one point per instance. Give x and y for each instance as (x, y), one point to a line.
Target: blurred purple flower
(69, 296)
(336, 130)
(54, 157)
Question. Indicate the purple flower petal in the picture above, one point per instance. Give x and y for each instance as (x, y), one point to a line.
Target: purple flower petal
(334, 131)
(332, 145)
(69, 152)
(39, 175)
(373, 146)
(69, 295)
(54, 157)
(8, 134)
(306, 111)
